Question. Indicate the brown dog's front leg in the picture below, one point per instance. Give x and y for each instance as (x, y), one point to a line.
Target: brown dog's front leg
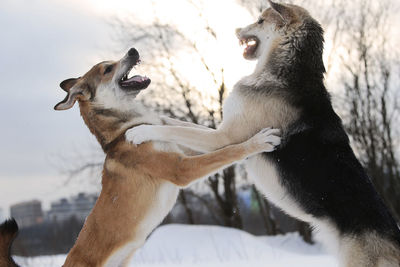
(182, 170)
(202, 140)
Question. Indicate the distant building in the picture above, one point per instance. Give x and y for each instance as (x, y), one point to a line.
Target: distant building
(27, 213)
(60, 210)
(78, 206)
(83, 204)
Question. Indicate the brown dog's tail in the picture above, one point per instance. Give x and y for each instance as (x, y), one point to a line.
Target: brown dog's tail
(8, 232)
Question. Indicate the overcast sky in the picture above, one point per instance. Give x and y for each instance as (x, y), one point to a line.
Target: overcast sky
(42, 43)
(46, 41)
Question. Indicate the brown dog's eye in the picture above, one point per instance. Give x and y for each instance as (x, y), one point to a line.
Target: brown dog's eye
(260, 21)
(108, 69)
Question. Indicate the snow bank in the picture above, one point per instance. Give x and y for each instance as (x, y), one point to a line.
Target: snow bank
(212, 246)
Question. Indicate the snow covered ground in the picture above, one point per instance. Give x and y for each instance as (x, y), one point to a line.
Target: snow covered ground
(214, 246)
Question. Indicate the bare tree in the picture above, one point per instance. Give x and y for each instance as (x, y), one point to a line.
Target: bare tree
(184, 100)
(270, 224)
(371, 98)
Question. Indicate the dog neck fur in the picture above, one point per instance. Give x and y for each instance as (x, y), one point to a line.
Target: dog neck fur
(109, 123)
(268, 43)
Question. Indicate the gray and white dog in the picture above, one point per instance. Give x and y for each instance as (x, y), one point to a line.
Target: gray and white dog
(314, 175)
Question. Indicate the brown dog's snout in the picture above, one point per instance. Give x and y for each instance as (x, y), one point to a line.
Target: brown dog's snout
(133, 53)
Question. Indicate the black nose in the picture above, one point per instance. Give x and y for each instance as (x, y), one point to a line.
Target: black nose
(133, 53)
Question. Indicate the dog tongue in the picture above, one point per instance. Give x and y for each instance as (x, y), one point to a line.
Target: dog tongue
(136, 78)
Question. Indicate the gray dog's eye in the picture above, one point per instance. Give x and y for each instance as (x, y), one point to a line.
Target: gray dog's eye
(260, 21)
(108, 69)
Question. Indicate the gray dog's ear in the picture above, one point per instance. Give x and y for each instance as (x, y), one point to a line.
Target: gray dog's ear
(284, 11)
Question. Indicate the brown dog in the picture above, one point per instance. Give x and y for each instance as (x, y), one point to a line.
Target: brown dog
(140, 183)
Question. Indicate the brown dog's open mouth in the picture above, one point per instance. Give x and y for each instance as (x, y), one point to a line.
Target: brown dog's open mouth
(251, 45)
(136, 82)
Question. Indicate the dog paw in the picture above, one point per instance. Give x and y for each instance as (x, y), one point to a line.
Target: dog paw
(266, 140)
(139, 134)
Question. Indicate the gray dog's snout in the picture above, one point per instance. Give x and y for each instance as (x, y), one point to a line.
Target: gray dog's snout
(237, 31)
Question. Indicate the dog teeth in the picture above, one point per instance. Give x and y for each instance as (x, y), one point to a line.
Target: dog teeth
(251, 42)
(248, 42)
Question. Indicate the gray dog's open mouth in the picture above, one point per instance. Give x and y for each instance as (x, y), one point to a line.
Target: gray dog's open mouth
(250, 44)
(136, 82)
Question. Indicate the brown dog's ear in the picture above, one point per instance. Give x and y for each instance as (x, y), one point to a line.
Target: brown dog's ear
(70, 99)
(68, 84)
(285, 12)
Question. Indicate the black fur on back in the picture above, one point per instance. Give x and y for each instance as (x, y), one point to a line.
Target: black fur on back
(315, 161)
(8, 233)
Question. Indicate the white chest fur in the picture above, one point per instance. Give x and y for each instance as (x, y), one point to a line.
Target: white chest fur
(265, 176)
(246, 114)
(161, 205)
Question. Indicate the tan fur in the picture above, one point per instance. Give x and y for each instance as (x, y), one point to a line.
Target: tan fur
(293, 15)
(131, 178)
(368, 250)
(139, 183)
